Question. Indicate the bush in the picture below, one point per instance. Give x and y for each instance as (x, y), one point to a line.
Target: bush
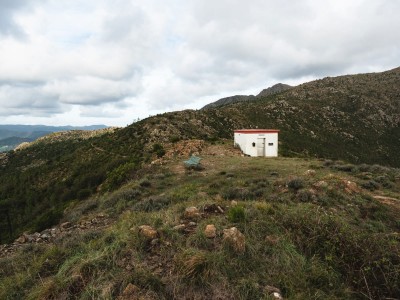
(238, 193)
(83, 194)
(174, 139)
(158, 149)
(295, 184)
(370, 185)
(119, 175)
(344, 168)
(236, 214)
(152, 204)
(305, 196)
(48, 219)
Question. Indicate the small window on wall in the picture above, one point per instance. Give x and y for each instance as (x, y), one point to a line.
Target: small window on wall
(270, 144)
(254, 144)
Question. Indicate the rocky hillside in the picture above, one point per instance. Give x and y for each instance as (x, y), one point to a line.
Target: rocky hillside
(239, 228)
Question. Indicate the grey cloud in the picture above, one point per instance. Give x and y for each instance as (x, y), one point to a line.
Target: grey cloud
(20, 100)
(8, 8)
(149, 55)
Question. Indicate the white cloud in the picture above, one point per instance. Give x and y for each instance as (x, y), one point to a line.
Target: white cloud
(115, 61)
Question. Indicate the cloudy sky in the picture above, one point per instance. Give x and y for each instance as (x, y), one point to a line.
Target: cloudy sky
(110, 62)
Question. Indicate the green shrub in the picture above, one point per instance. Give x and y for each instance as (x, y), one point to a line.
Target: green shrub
(83, 194)
(145, 183)
(236, 214)
(238, 193)
(295, 184)
(119, 175)
(153, 203)
(158, 149)
(370, 185)
(174, 139)
(48, 219)
(344, 168)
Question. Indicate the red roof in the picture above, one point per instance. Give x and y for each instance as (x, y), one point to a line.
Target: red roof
(256, 131)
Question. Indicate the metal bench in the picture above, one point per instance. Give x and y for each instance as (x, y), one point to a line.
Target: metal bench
(193, 162)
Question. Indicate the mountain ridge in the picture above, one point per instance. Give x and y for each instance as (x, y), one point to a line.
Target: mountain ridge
(277, 88)
(11, 135)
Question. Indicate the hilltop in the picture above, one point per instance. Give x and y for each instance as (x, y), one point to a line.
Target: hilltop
(306, 228)
(320, 221)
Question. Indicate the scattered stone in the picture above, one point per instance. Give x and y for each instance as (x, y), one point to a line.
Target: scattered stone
(274, 292)
(310, 173)
(155, 242)
(148, 232)
(179, 227)
(192, 213)
(192, 224)
(321, 184)
(210, 231)
(277, 296)
(235, 238)
(66, 225)
(351, 187)
(272, 239)
(130, 292)
(234, 203)
(45, 236)
(22, 239)
(213, 208)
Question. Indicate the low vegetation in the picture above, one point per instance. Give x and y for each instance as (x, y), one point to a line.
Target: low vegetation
(311, 231)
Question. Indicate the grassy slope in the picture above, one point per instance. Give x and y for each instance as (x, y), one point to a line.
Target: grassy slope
(353, 118)
(316, 240)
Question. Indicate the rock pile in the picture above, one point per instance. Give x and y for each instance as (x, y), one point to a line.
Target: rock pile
(51, 235)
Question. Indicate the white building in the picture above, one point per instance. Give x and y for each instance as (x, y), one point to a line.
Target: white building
(257, 142)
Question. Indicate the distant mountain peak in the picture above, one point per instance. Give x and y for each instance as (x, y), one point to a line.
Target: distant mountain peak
(275, 89)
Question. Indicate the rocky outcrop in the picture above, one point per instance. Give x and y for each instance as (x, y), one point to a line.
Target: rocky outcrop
(51, 235)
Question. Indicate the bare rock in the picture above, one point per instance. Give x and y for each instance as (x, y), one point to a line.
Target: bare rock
(321, 184)
(277, 296)
(148, 232)
(22, 239)
(210, 231)
(180, 227)
(310, 173)
(192, 213)
(130, 292)
(235, 238)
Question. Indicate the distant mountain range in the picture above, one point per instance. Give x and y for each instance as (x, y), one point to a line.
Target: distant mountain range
(13, 135)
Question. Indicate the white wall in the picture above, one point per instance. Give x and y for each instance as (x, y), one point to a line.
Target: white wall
(245, 142)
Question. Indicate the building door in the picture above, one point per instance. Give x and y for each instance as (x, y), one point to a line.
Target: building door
(261, 147)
